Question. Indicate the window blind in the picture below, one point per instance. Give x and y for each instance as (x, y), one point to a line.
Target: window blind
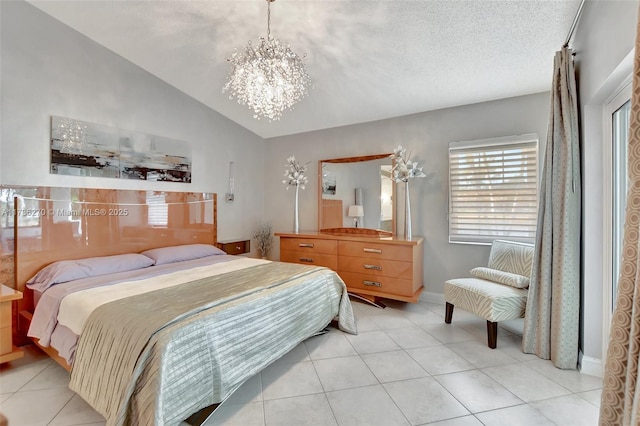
(493, 190)
(158, 210)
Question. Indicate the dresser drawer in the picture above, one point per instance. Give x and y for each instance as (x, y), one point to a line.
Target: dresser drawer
(376, 267)
(386, 285)
(375, 250)
(309, 245)
(309, 258)
(234, 247)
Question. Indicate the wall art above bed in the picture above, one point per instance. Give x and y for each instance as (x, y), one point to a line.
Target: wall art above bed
(79, 148)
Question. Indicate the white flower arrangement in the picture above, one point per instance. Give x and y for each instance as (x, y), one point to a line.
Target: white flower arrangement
(403, 168)
(295, 173)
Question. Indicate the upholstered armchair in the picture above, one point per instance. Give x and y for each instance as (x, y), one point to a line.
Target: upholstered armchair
(497, 292)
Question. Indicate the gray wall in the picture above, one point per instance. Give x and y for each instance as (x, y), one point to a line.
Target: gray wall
(604, 37)
(427, 136)
(49, 69)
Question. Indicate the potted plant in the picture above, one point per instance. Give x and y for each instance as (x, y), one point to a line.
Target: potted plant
(263, 237)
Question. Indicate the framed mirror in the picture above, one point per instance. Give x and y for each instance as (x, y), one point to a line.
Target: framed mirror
(357, 194)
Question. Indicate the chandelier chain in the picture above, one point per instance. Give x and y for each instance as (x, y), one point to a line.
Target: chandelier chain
(268, 18)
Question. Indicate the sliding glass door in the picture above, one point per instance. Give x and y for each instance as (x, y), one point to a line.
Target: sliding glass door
(619, 140)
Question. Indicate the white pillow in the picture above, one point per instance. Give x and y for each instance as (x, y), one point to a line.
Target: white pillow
(507, 278)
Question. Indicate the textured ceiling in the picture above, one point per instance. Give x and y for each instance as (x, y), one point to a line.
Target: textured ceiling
(369, 60)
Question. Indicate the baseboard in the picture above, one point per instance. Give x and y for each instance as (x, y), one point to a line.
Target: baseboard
(432, 297)
(590, 366)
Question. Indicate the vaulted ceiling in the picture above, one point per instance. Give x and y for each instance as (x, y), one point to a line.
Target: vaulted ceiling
(369, 59)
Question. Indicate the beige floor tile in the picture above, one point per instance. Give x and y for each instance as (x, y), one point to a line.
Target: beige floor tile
(393, 366)
(525, 383)
(330, 345)
(592, 396)
(386, 322)
(343, 373)
(448, 333)
(37, 407)
(439, 360)
(13, 377)
(365, 323)
(412, 337)
(459, 421)
(477, 391)
(250, 391)
(251, 414)
(295, 355)
(480, 355)
(570, 379)
(570, 410)
(371, 342)
(520, 415)
(299, 411)
(287, 380)
(54, 376)
(424, 400)
(368, 406)
(76, 412)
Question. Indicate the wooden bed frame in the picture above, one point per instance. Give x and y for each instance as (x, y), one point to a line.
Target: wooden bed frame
(99, 222)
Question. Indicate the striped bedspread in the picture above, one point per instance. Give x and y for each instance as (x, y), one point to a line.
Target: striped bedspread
(159, 357)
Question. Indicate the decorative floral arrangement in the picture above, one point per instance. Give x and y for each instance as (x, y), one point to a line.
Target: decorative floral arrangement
(403, 168)
(295, 173)
(264, 238)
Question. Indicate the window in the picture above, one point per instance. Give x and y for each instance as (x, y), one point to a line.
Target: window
(493, 189)
(620, 138)
(158, 209)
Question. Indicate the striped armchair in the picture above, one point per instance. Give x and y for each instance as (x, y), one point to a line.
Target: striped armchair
(497, 292)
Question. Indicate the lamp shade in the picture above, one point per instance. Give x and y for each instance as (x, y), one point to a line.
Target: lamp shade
(356, 211)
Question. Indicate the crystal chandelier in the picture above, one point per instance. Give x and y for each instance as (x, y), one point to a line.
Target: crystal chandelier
(268, 78)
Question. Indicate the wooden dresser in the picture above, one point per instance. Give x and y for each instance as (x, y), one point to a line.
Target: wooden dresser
(372, 267)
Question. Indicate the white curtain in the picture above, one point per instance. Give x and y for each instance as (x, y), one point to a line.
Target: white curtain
(551, 324)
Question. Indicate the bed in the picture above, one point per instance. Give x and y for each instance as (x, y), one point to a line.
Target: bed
(156, 334)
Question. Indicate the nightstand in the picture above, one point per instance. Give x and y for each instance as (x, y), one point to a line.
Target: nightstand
(234, 246)
(8, 352)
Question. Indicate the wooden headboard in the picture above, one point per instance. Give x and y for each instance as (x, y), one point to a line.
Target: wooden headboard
(72, 223)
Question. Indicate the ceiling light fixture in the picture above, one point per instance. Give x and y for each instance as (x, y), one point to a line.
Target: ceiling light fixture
(72, 134)
(268, 78)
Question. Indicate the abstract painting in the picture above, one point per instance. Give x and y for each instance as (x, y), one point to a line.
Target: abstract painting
(79, 148)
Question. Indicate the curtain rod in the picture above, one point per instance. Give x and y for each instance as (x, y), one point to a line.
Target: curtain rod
(574, 24)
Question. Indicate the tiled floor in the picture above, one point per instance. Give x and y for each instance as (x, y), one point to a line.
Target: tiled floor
(405, 367)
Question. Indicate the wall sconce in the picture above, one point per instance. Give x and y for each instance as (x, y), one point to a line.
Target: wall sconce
(355, 212)
(229, 197)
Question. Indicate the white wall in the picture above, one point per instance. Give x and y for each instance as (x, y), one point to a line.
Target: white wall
(427, 136)
(604, 37)
(49, 69)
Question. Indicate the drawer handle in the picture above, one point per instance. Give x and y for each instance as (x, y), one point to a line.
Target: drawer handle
(369, 250)
(309, 245)
(238, 248)
(306, 259)
(372, 283)
(374, 267)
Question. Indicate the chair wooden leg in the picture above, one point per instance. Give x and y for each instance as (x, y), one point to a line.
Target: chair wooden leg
(448, 314)
(492, 333)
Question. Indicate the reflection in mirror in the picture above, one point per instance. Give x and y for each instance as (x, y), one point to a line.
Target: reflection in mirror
(365, 182)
